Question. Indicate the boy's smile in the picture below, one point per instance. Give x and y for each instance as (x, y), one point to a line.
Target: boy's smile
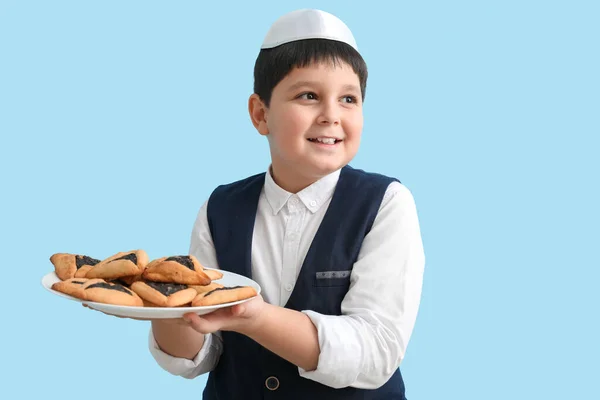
(325, 141)
(313, 123)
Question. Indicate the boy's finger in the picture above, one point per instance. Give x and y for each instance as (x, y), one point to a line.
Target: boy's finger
(199, 324)
(238, 310)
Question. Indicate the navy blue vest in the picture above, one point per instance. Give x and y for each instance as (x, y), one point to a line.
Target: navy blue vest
(247, 370)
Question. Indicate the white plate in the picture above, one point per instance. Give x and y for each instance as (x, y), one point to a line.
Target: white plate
(228, 279)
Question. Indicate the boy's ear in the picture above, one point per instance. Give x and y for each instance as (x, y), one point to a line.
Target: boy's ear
(258, 114)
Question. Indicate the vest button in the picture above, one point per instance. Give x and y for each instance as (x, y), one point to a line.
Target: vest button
(272, 383)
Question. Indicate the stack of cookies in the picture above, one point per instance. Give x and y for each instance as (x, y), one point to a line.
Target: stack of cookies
(130, 279)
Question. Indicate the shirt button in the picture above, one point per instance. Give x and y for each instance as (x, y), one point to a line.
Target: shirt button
(293, 202)
(288, 287)
(292, 235)
(313, 203)
(272, 383)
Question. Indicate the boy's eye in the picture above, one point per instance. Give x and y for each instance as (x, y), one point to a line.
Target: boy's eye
(308, 96)
(349, 99)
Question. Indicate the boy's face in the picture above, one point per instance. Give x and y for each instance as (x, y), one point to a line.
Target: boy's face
(314, 122)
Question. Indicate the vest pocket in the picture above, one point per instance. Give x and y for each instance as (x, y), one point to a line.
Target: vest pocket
(332, 278)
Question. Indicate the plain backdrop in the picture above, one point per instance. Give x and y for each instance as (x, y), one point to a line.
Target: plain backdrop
(118, 119)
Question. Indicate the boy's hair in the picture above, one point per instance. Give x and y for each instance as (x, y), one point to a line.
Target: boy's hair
(272, 65)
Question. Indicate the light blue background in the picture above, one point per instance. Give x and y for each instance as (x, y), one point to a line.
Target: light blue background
(118, 118)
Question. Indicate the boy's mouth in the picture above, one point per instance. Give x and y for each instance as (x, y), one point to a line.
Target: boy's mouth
(325, 140)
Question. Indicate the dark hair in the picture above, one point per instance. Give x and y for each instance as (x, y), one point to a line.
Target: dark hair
(272, 65)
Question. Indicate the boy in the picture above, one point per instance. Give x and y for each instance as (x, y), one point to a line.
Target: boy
(337, 251)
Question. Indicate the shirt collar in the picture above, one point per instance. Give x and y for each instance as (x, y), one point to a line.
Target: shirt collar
(313, 196)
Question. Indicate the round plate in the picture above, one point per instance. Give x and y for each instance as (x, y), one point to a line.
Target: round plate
(228, 279)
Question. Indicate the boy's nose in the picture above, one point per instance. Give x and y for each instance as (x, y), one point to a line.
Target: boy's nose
(329, 115)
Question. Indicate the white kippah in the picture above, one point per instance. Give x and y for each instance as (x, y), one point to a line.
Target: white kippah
(308, 24)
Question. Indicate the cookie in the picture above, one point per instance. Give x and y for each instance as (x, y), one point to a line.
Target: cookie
(111, 293)
(127, 280)
(206, 288)
(224, 295)
(74, 286)
(164, 294)
(149, 304)
(69, 266)
(122, 264)
(177, 269)
(213, 274)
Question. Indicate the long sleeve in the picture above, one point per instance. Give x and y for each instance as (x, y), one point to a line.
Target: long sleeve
(204, 362)
(365, 345)
(201, 246)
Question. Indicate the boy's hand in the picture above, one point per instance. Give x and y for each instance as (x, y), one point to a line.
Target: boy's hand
(240, 318)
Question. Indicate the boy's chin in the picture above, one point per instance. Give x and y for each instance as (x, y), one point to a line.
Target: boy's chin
(323, 169)
(313, 169)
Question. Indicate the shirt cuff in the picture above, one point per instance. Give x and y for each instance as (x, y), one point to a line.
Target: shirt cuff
(184, 367)
(341, 353)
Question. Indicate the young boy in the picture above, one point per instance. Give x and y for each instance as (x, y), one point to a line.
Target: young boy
(337, 251)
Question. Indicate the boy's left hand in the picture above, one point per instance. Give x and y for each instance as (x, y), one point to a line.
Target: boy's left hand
(240, 318)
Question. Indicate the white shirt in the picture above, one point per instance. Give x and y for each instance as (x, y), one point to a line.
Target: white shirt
(364, 346)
